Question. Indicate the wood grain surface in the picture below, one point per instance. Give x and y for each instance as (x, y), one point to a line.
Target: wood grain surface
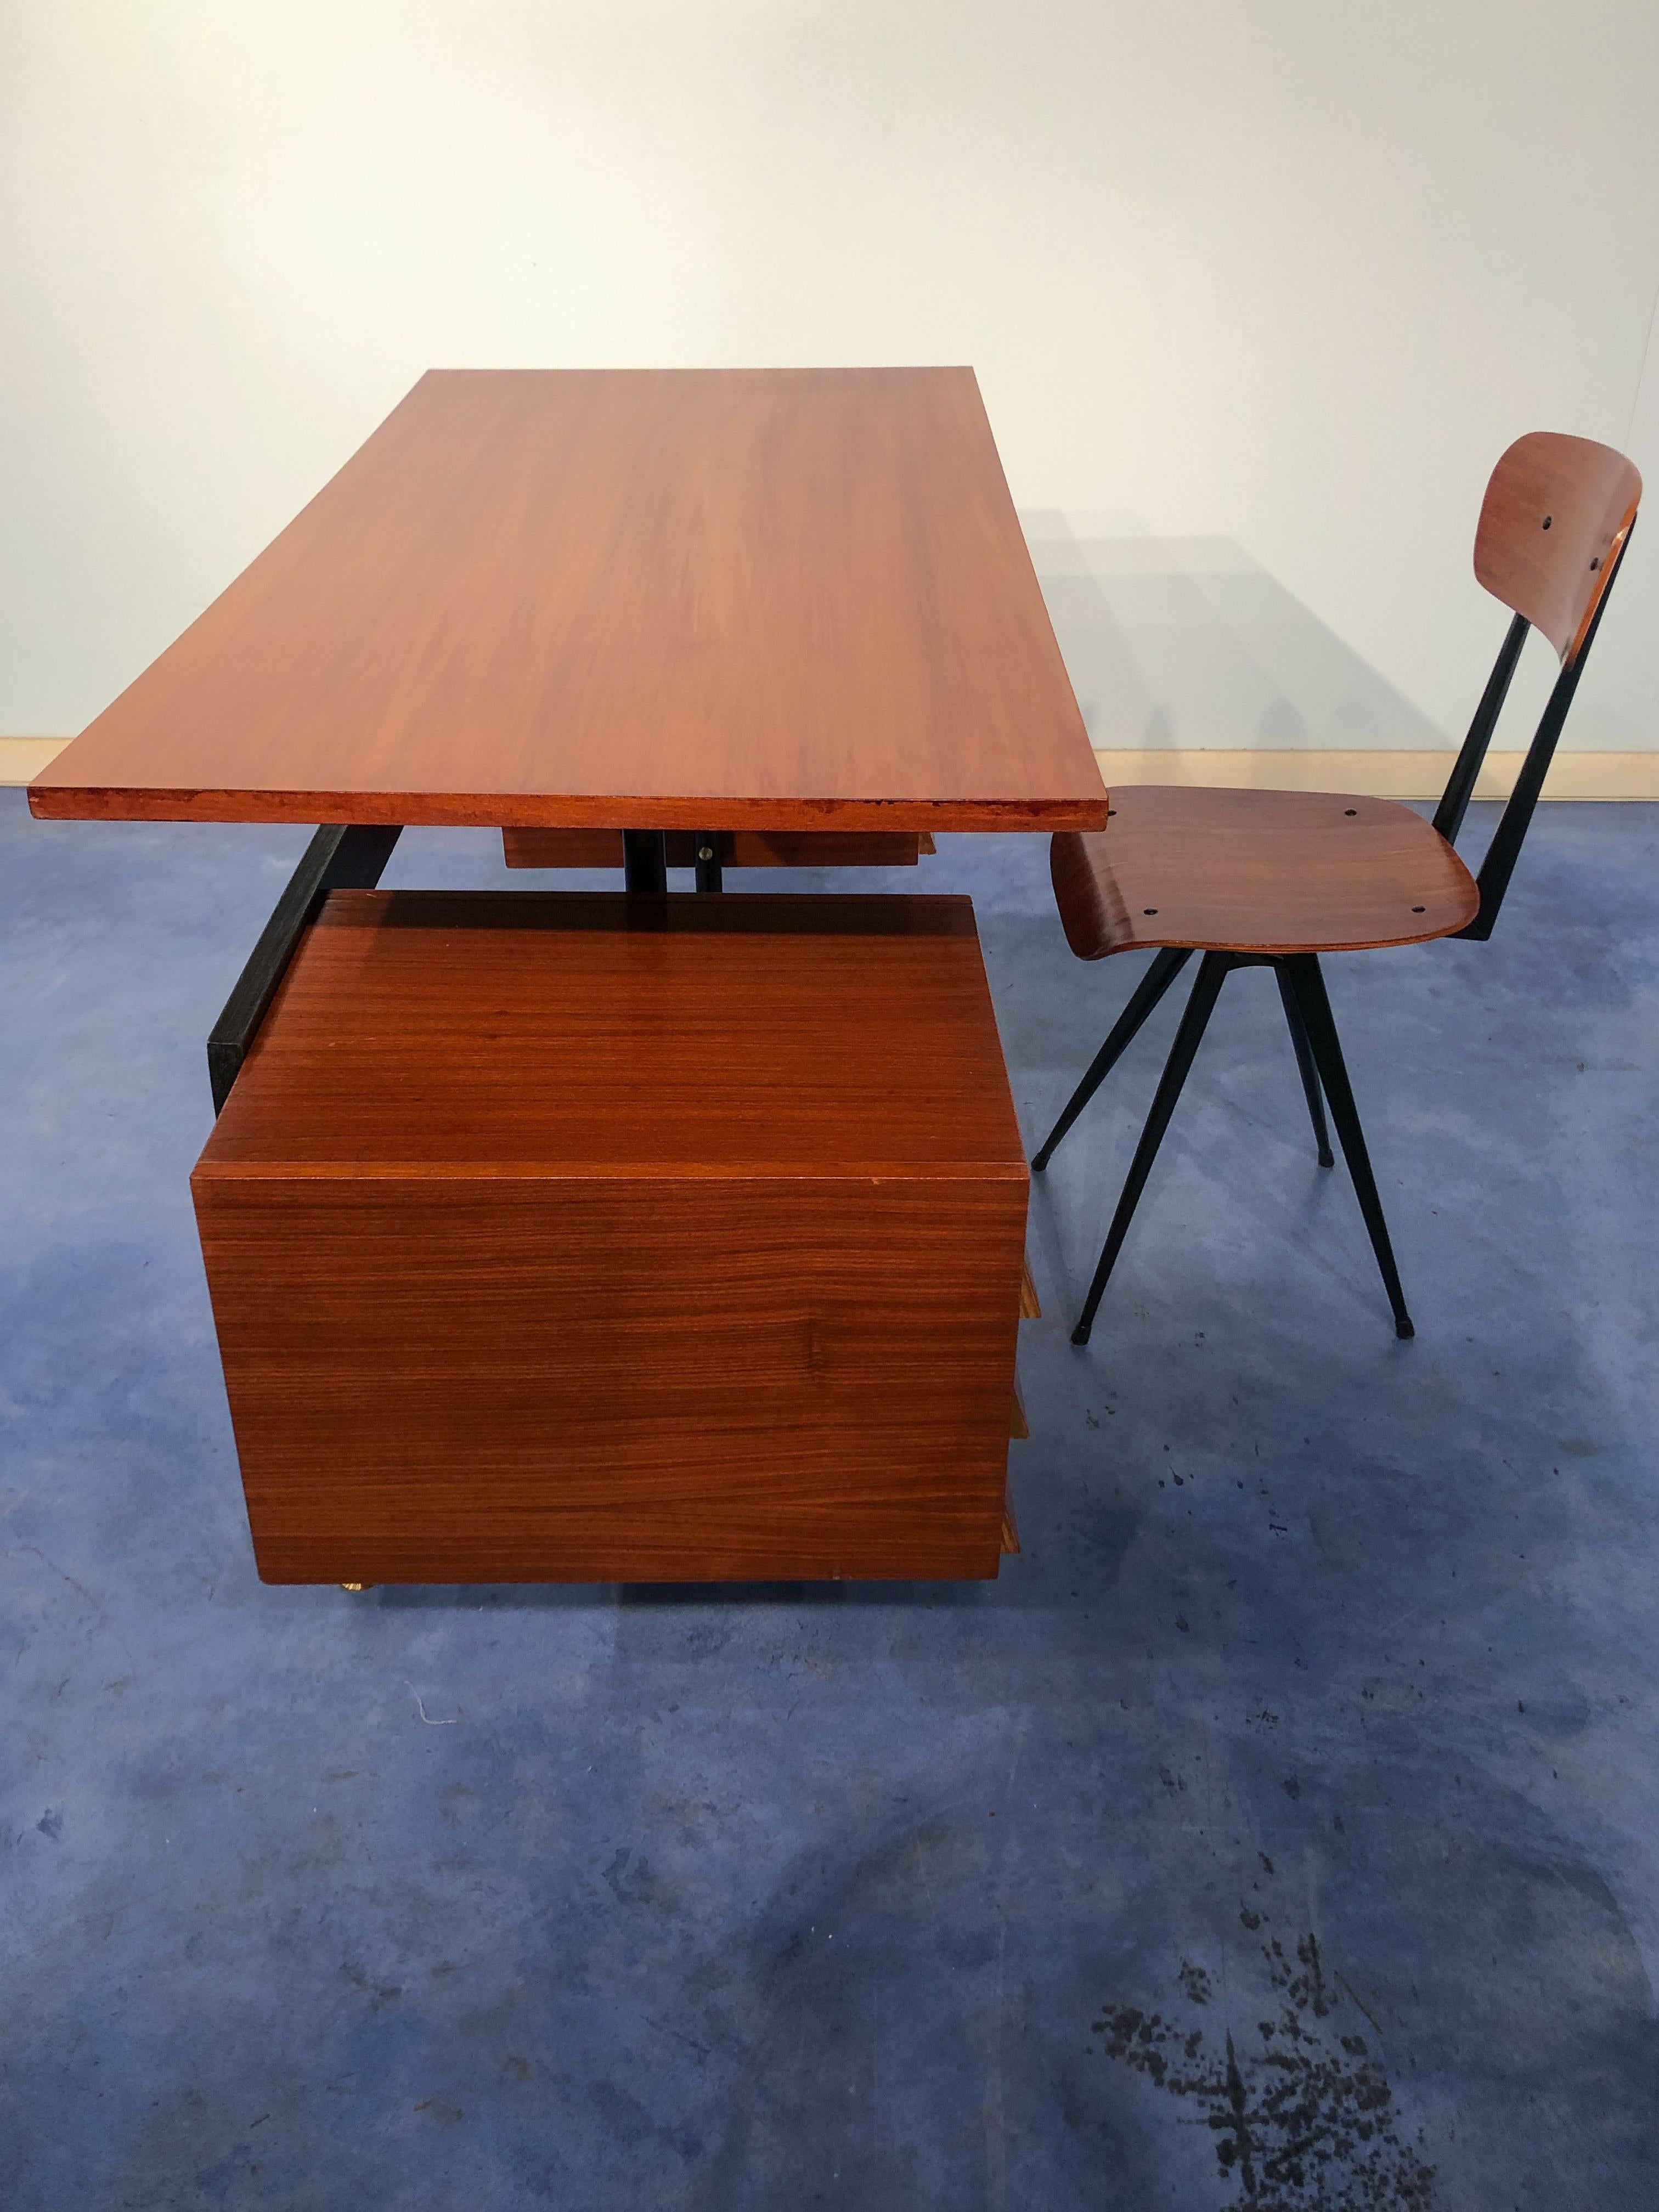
(1256, 871)
(590, 1032)
(545, 1243)
(771, 600)
(1556, 511)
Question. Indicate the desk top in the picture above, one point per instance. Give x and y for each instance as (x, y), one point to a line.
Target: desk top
(695, 599)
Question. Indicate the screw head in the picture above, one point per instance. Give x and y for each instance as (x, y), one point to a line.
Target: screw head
(1351, 810)
(705, 851)
(1548, 519)
(1419, 909)
(1595, 563)
(1149, 909)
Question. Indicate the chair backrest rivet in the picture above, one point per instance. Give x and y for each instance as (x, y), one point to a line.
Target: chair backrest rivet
(1548, 519)
(1351, 810)
(1149, 909)
(1419, 909)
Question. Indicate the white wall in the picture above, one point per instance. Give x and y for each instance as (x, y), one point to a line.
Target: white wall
(1256, 290)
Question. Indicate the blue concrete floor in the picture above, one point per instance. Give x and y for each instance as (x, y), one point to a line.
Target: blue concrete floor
(1282, 1828)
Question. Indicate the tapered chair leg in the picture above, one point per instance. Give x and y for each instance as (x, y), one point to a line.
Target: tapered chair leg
(1305, 1061)
(1307, 985)
(1212, 973)
(1147, 993)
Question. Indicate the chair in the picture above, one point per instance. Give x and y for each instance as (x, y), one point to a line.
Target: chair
(1271, 878)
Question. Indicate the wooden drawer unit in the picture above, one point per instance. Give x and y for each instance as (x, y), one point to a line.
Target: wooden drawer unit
(566, 1236)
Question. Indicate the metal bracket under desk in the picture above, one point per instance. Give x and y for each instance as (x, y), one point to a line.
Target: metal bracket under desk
(645, 860)
(341, 857)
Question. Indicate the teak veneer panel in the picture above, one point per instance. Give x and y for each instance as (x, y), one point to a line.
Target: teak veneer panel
(606, 1032)
(566, 1236)
(697, 599)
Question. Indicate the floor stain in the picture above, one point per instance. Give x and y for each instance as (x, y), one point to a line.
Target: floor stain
(1302, 2114)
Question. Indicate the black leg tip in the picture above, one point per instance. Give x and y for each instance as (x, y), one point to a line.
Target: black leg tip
(1327, 1158)
(1039, 1163)
(1080, 1334)
(1403, 1329)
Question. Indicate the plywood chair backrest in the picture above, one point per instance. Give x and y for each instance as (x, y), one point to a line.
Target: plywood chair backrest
(1555, 516)
(1554, 527)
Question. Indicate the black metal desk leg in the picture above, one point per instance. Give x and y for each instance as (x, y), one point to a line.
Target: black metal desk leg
(645, 864)
(341, 857)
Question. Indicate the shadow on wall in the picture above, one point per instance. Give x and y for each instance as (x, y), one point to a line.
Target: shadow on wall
(1178, 643)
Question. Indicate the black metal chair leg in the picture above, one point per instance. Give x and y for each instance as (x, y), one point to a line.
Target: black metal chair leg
(1308, 984)
(1147, 993)
(1212, 974)
(1305, 1061)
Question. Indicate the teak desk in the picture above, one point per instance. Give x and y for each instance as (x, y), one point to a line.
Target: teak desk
(648, 601)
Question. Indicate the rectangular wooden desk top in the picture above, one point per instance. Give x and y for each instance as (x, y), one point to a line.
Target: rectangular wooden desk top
(695, 599)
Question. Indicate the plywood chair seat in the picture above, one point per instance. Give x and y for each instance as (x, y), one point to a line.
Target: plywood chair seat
(1269, 872)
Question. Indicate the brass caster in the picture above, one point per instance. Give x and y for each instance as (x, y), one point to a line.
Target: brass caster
(357, 1586)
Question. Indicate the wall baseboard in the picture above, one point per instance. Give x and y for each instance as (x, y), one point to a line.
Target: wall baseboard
(1380, 772)
(1383, 772)
(21, 758)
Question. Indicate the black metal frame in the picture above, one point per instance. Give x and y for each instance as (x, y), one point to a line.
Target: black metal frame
(1302, 983)
(342, 856)
(645, 860)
